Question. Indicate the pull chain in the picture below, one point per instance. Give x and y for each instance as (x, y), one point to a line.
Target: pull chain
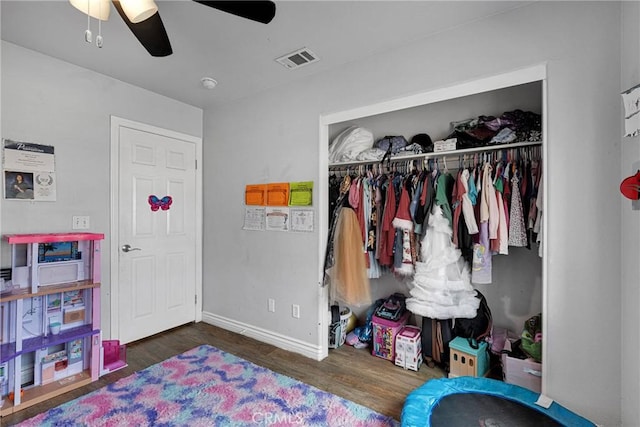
(87, 34)
(99, 41)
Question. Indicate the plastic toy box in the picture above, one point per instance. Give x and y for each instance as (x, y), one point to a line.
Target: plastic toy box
(523, 372)
(338, 328)
(467, 361)
(409, 348)
(384, 334)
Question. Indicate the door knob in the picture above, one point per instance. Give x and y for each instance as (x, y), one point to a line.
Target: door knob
(128, 248)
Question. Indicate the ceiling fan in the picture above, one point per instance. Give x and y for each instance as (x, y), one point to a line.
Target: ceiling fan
(143, 19)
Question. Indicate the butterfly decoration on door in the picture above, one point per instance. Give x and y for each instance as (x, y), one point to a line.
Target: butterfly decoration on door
(157, 203)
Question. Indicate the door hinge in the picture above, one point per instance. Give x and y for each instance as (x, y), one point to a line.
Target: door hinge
(196, 299)
(196, 164)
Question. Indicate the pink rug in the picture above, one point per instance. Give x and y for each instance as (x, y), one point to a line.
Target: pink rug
(208, 387)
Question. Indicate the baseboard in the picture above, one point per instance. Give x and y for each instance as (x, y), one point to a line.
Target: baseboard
(281, 341)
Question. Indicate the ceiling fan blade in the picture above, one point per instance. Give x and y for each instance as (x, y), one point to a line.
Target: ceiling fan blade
(259, 11)
(150, 33)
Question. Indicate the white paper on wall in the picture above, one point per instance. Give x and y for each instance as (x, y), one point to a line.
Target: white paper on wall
(29, 171)
(631, 101)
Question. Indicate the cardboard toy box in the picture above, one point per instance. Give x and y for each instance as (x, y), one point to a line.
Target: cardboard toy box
(526, 373)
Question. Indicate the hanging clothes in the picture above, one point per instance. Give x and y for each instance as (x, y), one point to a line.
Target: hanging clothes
(426, 201)
(393, 212)
(444, 189)
(417, 185)
(387, 232)
(517, 231)
(356, 202)
(456, 206)
(464, 206)
(441, 286)
(472, 193)
(349, 282)
(404, 226)
(488, 203)
(503, 232)
(482, 263)
(538, 227)
(329, 258)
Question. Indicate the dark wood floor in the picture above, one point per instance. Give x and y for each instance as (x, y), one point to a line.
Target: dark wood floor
(351, 373)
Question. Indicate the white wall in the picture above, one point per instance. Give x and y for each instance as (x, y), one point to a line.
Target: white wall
(630, 222)
(273, 137)
(51, 102)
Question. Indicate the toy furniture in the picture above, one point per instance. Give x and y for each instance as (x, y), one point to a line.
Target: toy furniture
(467, 361)
(114, 356)
(409, 348)
(49, 317)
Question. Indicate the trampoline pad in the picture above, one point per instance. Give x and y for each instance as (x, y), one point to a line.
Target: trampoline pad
(483, 410)
(482, 402)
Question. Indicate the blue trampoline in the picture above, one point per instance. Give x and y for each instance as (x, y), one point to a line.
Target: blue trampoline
(481, 402)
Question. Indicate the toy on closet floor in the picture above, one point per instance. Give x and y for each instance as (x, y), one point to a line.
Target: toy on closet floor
(361, 336)
(409, 348)
(387, 322)
(339, 323)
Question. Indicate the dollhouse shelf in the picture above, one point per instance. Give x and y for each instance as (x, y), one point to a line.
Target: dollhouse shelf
(52, 237)
(37, 395)
(52, 284)
(22, 293)
(31, 344)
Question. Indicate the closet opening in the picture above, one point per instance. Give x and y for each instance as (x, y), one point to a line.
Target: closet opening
(515, 286)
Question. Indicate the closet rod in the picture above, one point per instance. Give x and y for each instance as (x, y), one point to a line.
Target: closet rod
(450, 153)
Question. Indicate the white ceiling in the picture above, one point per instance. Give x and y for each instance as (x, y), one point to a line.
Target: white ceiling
(238, 53)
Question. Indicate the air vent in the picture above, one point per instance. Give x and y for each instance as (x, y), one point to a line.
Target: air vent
(298, 58)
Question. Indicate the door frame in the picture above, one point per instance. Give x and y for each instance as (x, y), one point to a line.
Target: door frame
(114, 250)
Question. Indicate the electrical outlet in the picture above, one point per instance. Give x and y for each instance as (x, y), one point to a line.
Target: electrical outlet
(272, 305)
(80, 222)
(295, 311)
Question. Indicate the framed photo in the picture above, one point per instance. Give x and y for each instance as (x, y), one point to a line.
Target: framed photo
(18, 185)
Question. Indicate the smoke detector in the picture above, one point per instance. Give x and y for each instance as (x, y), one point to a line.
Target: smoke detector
(208, 82)
(298, 58)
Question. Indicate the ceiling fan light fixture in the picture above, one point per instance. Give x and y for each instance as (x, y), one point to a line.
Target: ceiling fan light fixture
(98, 9)
(138, 10)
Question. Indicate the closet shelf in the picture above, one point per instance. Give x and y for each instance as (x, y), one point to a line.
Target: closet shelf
(451, 153)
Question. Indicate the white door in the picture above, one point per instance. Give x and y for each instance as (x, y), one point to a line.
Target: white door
(157, 248)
